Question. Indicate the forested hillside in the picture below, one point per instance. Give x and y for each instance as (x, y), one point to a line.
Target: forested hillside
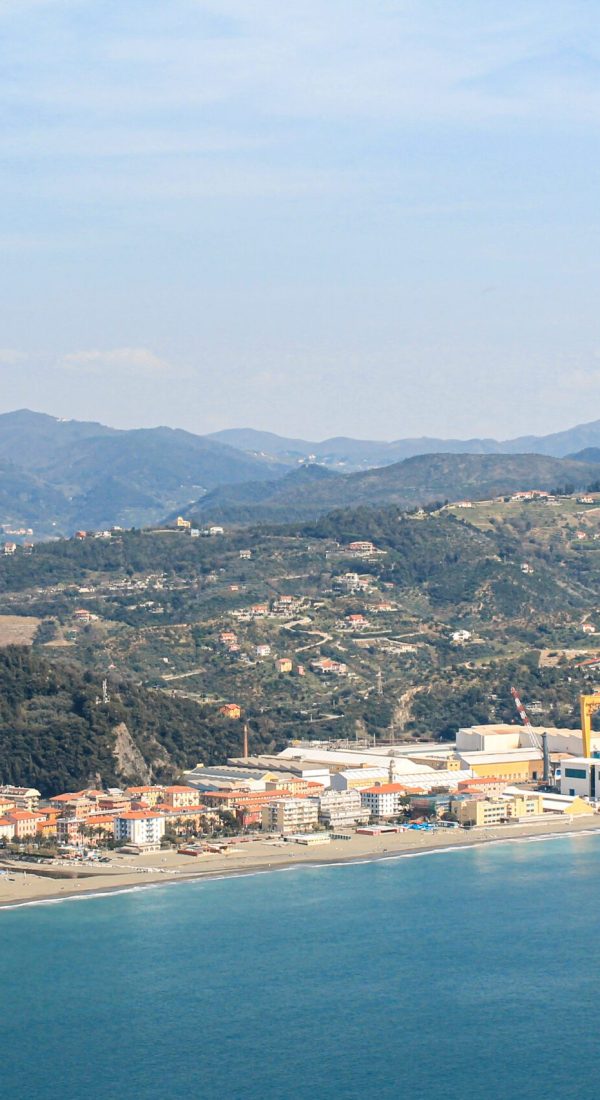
(314, 490)
(56, 733)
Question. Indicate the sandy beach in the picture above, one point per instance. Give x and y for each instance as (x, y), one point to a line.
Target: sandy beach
(24, 884)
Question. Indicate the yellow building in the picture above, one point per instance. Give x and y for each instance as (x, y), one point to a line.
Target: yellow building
(150, 795)
(439, 761)
(495, 811)
(519, 766)
(180, 797)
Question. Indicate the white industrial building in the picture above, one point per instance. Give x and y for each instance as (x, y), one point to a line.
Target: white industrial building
(581, 776)
(501, 738)
(357, 778)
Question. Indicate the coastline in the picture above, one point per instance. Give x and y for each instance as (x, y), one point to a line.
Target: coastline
(23, 888)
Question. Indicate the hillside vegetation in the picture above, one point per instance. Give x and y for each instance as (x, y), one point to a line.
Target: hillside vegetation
(56, 733)
(314, 490)
(431, 622)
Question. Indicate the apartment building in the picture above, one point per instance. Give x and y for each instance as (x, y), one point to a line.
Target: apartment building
(290, 815)
(494, 811)
(384, 799)
(342, 808)
(144, 828)
(24, 798)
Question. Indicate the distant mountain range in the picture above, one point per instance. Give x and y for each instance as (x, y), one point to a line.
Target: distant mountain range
(313, 490)
(57, 476)
(356, 454)
(60, 475)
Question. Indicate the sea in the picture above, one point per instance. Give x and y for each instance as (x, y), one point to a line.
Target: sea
(469, 973)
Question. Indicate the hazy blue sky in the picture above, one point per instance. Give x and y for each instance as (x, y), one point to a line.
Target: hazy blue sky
(369, 217)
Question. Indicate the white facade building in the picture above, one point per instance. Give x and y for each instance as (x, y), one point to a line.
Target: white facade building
(338, 808)
(140, 827)
(384, 800)
(581, 776)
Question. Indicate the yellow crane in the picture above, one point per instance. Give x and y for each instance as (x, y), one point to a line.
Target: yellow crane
(589, 705)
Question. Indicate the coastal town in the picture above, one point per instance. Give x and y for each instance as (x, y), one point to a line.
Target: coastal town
(351, 799)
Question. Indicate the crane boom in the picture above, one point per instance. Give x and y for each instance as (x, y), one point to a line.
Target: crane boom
(535, 740)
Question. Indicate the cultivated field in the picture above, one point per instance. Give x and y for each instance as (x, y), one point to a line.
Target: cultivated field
(18, 629)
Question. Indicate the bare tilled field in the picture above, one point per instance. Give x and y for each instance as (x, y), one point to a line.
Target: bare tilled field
(18, 629)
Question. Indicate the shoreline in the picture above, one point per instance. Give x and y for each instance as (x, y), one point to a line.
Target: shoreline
(28, 889)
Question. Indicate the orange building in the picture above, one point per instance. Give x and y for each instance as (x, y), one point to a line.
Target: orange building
(231, 710)
(25, 823)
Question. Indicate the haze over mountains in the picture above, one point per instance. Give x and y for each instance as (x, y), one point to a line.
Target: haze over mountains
(355, 454)
(57, 476)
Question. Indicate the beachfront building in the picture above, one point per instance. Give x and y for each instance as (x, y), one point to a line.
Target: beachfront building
(341, 808)
(384, 799)
(70, 831)
(494, 811)
(290, 815)
(143, 828)
(7, 829)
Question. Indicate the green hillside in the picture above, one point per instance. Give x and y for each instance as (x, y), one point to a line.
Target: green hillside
(56, 734)
(454, 605)
(417, 481)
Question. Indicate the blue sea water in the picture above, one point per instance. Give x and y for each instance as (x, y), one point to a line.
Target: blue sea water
(472, 973)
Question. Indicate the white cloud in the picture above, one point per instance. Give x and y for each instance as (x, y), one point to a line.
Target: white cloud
(119, 361)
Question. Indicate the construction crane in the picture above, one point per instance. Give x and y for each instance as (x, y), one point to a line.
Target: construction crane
(540, 743)
(523, 715)
(589, 704)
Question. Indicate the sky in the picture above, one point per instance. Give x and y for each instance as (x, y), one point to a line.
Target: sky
(375, 218)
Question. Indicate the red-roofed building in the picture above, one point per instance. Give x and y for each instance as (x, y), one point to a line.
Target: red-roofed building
(385, 799)
(25, 823)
